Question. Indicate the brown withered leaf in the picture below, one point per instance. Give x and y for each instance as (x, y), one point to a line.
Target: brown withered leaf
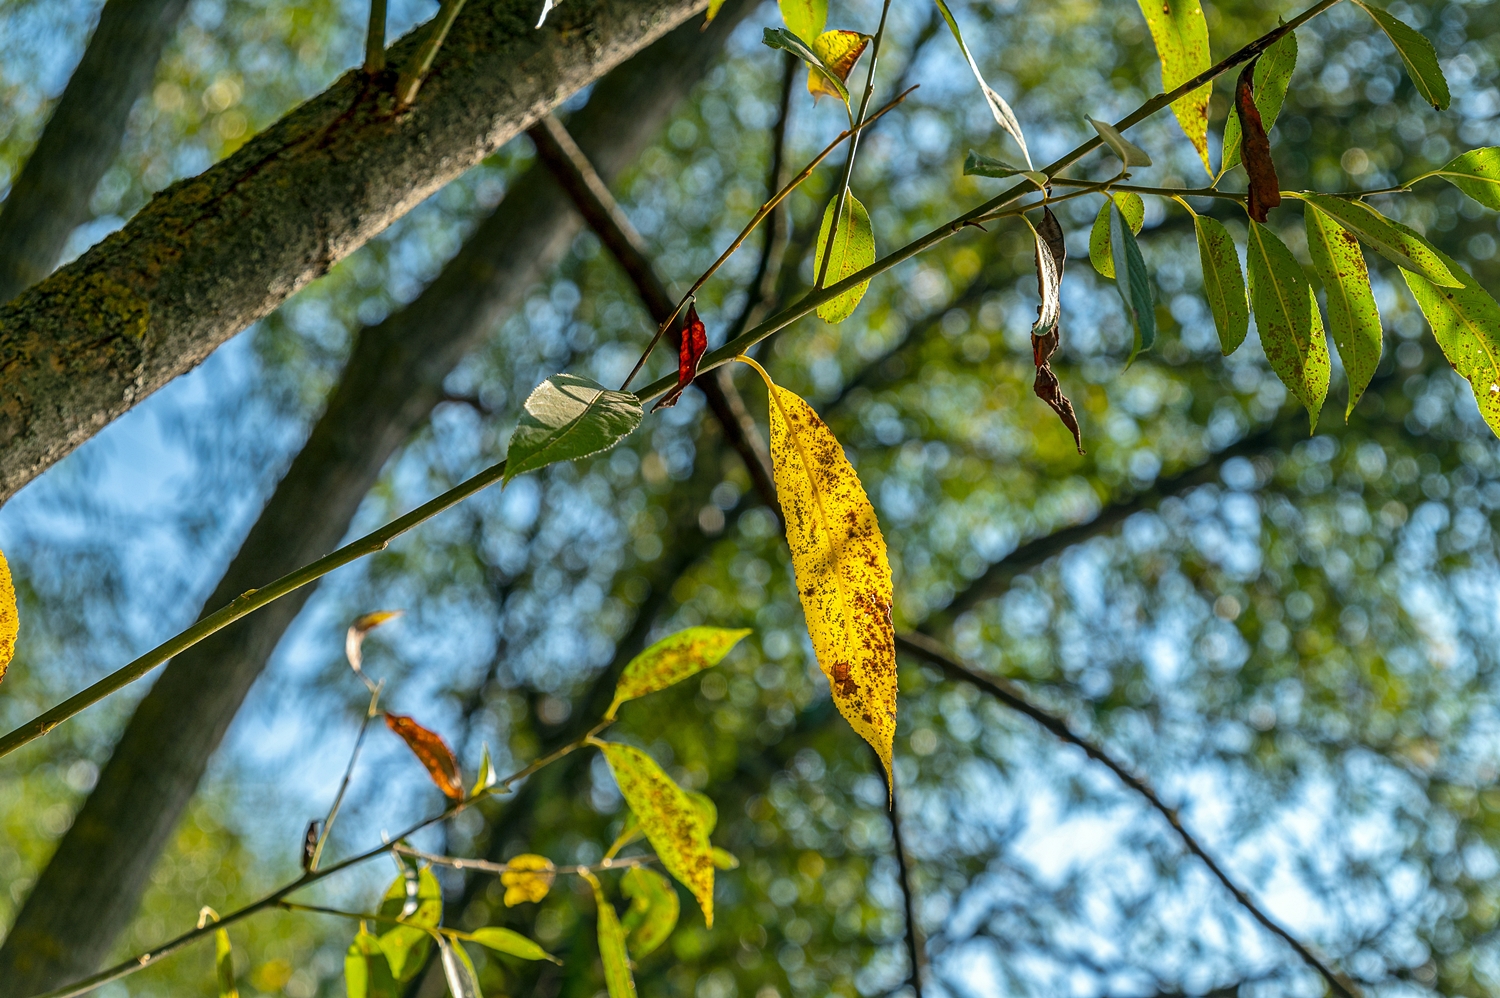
(1047, 331)
(434, 754)
(1255, 147)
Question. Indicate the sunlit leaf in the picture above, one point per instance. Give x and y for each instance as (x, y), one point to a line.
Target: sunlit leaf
(1004, 116)
(1353, 318)
(434, 754)
(1417, 54)
(1135, 289)
(804, 18)
(528, 877)
(1100, 254)
(224, 964)
(463, 982)
(630, 832)
(838, 555)
(977, 165)
(1466, 324)
(725, 860)
(839, 50)
(673, 659)
(707, 808)
(1255, 148)
(1129, 153)
(10, 617)
(1181, 36)
(712, 12)
(853, 250)
(415, 898)
(503, 940)
(1477, 174)
(1286, 314)
(612, 950)
(1272, 75)
(487, 776)
(653, 910)
(367, 973)
(354, 638)
(568, 417)
(690, 349)
(781, 38)
(674, 824)
(1395, 242)
(1223, 282)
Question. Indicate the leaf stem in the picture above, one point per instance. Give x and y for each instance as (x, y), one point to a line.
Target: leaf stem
(415, 71)
(375, 39)
(338, 799)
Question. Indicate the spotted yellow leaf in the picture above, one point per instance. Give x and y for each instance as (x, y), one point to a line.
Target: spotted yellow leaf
(673, 659)
(528, 877)
(10, 618)
(838, 554)
(839, 50)
(1181, 36)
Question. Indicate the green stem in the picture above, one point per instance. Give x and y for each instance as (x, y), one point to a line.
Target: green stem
(338, 799)
(416, 71)
(1166, 192)
(375, 39)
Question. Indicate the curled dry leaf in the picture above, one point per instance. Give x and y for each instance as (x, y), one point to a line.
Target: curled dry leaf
(839, 50)
(432, 752)
(1255, 147)
(10, 618)
(528, 877)
(690, 350)
(354, 639)
(1051, 253)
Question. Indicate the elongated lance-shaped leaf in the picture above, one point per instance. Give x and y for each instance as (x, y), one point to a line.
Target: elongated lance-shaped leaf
(434, 754)
(527, 878)
(853, 250)
(1466, 324)
(1286, 314)
(1272, 76)
(415, 898)
(224, 964)
(1390, 239)
(1223, 282)
(1135, 285)
(612, 952)
(1353, 319)
(1417, 54)
(673, 659)
(568, 417)
(781, 38)
(653, 910)
(1476, 173)
(978, 165)
(510, 943)
(1004, 116)
(839, 50)
(804, 18)
(367, 973)
(1129, 153)
(1048, 283)
(674, 824)
(1100, 253)
(838, 555)
(10, 617)
(463, 982)
(1181, 36)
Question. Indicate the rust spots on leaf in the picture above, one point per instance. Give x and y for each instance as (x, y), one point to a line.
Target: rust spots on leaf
(1255, 147)
(432, 752)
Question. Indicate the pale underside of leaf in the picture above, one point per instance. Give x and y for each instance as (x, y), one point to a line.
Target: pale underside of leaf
(1135, 287)
(1049, 284)
(463, 982)
(1466, 324)
(1004, 116)
(1181, 35)
(1129, 153)
(1353, 319)
(1286, 314)
(568, 417)
(853, 250)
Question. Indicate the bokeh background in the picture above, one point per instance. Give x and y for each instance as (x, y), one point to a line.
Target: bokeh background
(1299, 650)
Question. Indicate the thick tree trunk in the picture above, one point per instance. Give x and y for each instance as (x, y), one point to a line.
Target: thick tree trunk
(210, 255)
(89, 890)
(51, 196)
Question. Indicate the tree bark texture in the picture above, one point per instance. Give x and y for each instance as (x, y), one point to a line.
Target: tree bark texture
(91, 887)
(51, 196)
(210, 255)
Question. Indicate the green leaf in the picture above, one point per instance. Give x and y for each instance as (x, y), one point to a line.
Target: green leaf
(725, 860)
(713, 11)
(367, 973)
(487, 776)
(510, 943)
(568, 417)
(653, 910)
(224, 964)
(1273, 73)
(673, 821)
(1395, 242)
(853, 250)
(1286, 313)
(1100, 254)
(1476, 173)
(1466, 324)
(1130, 154)
(976, 165)
(804, 18)
(415, 898)
(780, 38)
(1353, 318)
(1181, 37)
(1417, 53)
(612, 949)
(1223, 282)
(1135, 290)
(1004, 116)
(673, 659)
(463, 982)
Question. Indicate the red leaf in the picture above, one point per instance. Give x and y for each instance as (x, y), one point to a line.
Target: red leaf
(1046, 386)
(1255, 148)
(690, 350)
(432, 752)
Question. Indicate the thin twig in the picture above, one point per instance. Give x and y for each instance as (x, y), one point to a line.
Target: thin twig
(485, 866)
(338, 799)
(416, 71)
(1166, 192)
(922, 647)
(903, 871)
(375, 39)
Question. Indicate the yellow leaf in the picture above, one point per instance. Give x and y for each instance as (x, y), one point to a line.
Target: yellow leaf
(10, 618)
(528, 877)
(853, 251)
(1181, 36)
(843, 576)
(224, 964)
(674, 823)
(839, 50)
(673, 659)
(804, 18)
